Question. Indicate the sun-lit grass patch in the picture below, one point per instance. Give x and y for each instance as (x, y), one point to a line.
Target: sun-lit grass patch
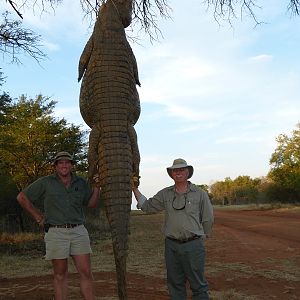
(263, 206)
(9, 238)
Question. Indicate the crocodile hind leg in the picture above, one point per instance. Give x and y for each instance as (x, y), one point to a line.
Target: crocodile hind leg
(135, 155)
(93, 157)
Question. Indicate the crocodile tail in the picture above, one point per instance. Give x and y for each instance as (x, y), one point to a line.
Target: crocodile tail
(115, 175)
(118, 216)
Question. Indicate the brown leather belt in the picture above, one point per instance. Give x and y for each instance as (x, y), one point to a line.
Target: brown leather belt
(64, 225)
(195, 237)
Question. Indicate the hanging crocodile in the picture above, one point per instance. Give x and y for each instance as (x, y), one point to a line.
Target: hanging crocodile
(110, 106)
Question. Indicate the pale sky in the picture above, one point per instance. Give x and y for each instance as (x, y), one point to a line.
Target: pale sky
(215, 95)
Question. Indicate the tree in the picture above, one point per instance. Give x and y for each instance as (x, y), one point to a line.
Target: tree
(244, 190)
(226, 9)
(15, 40)
(1, 78)
(30, 136)
(5, 101)
(285, 164)
(205, 187)
(221, 192)
(8, 189)
(145, 12)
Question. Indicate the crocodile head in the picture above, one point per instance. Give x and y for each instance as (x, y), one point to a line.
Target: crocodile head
(124, 8)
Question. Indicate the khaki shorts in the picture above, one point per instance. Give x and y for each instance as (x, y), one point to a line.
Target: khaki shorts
(63, 242)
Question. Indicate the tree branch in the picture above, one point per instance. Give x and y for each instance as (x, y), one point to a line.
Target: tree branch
(14, 40)
(294, 7)
(14, 8)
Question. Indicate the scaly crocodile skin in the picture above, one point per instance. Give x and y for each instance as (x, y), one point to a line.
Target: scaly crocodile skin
(109, 104)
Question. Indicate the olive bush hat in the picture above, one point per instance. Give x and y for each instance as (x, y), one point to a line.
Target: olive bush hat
(178, 164)
(63, 155)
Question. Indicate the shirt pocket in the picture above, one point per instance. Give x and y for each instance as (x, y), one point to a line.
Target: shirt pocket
(192, 205)
(77, 197)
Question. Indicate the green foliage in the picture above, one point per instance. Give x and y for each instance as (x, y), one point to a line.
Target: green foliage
(8, 192)
(30, 136)
(5, 102)
(205, 187)
(242, 190)
(220, 192)
(285, 165)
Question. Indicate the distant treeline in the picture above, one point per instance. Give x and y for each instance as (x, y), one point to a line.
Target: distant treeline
(245, 190)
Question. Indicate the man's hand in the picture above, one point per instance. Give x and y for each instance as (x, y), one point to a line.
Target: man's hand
(96, 181)
(135, 181)
(40, 221)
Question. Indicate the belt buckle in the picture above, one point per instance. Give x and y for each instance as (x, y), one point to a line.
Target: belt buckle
(192, 238)
(183, 241)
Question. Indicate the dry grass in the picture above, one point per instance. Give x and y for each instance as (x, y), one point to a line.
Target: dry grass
(265, 206)
(8, 238)
(146, 248)
(23, 254)
(239, 270)
(146, 257)
(230, 295)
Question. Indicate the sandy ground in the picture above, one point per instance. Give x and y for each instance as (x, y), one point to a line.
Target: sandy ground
(251, 255)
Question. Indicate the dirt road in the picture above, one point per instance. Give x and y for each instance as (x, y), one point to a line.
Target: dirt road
(251, 255)
(259, 252)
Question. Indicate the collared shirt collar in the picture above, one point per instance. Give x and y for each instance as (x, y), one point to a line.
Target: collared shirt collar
(191, 187)
(73, 177)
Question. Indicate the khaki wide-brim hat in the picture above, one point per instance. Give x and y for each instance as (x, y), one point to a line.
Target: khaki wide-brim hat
(63, 155)
(178, 164)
